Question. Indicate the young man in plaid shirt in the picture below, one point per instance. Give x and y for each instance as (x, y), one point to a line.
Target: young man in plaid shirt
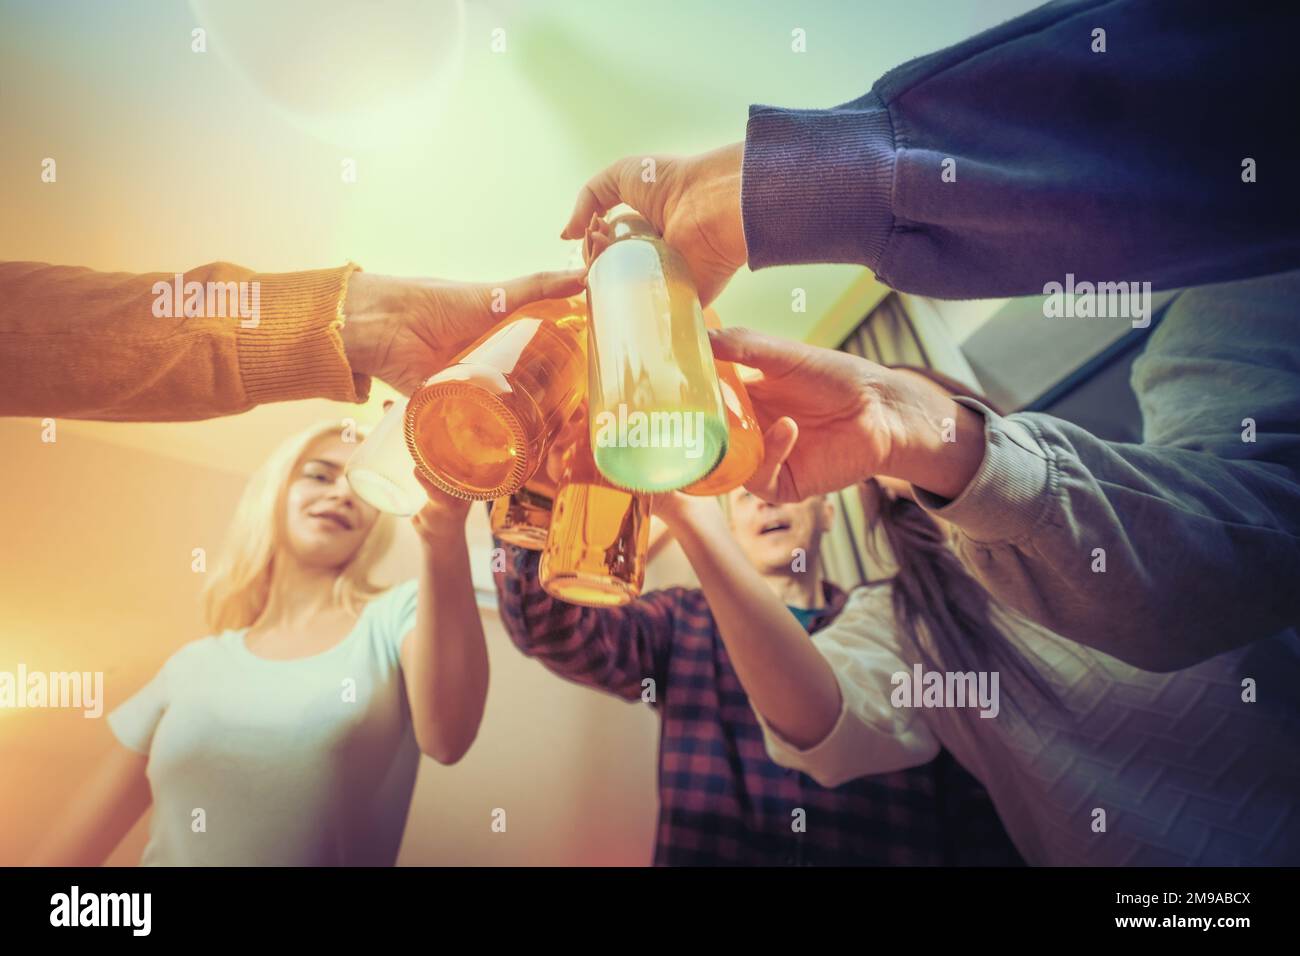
(721, 800)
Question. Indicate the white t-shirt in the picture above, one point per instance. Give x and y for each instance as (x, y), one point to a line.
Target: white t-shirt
(1187, 767)
(306, 762)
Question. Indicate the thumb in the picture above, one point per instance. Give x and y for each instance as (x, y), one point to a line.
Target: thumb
(540, 285)
(778, 442)
(767, 353)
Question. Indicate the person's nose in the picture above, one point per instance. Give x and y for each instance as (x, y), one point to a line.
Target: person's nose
(341, 493)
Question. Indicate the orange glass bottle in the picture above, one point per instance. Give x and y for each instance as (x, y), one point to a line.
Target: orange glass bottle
(744, 437)
(524, 518)
(595, 553)
(481, 427)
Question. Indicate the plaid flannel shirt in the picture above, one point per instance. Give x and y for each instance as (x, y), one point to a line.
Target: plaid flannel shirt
(722, 801)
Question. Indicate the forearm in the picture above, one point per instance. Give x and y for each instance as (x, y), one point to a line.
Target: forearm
(99, 815)
(990, 168)
(75, 343)
(1166, 553)
(1160, 557)
(788, 681)
(447, 677)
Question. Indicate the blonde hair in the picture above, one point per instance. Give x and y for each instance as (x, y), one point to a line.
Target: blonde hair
(237, 590)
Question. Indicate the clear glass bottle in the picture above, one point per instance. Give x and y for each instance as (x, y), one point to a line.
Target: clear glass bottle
(382, 472)
(595, 553)
(481, 427)
(744, 437)
(656, 414)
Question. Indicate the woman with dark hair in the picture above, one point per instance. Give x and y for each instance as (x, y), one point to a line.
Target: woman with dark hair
(1088, 760)
(931, 589)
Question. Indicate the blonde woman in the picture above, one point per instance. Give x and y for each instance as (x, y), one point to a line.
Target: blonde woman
(292, 734)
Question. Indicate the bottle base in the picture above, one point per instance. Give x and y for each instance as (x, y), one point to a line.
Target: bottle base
(591, 591)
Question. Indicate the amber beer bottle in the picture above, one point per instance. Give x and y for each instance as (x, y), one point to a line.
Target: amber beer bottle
(524, 518)
(744, 437)
(656, 415)
(481, 427)
(595, 553)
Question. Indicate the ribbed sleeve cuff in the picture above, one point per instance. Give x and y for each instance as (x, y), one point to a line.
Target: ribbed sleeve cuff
(295, 349)
(1012, 490)
(817, 185)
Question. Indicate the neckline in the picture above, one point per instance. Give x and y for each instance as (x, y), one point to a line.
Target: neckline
(241, 633)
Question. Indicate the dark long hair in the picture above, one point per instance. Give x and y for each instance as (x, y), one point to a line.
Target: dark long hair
(946, 610)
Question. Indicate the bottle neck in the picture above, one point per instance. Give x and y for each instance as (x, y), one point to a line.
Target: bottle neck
(630, 225)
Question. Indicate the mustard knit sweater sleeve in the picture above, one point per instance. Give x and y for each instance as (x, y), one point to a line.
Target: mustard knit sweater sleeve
(75, 343)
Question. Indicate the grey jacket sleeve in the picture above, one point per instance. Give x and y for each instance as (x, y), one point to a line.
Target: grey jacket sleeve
(1170, 552)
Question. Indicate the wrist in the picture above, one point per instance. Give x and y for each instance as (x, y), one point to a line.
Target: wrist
(937, 443)
(368, 310)
(728, 205)
(687, 515)
(440, 540)
(441, 531)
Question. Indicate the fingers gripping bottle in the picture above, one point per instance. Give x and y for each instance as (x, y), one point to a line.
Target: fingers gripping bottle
(481, 427)
(744, 437)
(657, 420)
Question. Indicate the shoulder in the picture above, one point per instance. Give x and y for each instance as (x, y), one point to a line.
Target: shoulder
(397, 599)
(198, 652)
(193, 660)
(870, 603)
(867, 618)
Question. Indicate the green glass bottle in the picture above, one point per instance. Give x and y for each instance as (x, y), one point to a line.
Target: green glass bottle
(657, 420)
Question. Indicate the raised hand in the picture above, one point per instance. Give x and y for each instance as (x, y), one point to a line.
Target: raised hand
(694, 202)
(831, 419)
(403, 330)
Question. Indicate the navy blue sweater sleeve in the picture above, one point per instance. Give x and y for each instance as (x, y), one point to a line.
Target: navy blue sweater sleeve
(1123, 165)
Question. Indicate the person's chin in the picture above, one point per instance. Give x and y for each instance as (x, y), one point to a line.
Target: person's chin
(776, 562)
(322, 552)
(780, 555)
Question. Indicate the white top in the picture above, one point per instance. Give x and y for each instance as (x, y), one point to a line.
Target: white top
(1186, 771)
(304, 762)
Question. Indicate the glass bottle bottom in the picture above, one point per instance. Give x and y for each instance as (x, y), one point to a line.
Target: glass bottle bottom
(629, 461)
(469, 443)
(380, 491)
(589, 590)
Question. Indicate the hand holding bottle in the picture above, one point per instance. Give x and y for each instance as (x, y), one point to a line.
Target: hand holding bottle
(403, 330)
(692, 201)
(831, 419)
(442, 518)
